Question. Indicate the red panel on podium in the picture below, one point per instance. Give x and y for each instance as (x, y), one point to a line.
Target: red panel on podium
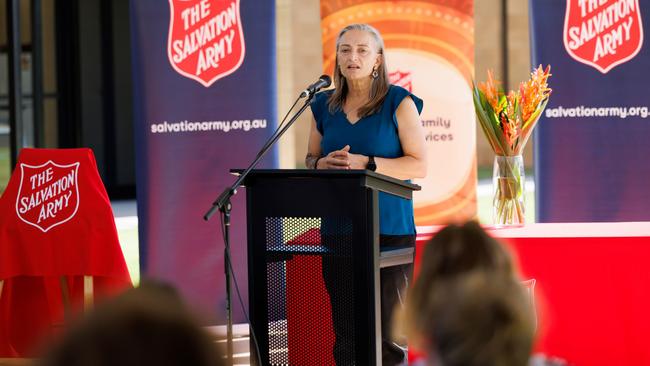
(304, 276)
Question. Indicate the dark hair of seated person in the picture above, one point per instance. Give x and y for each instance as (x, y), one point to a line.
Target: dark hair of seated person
(148, 325)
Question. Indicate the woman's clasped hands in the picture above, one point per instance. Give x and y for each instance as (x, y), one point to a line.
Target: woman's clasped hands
(342, 159)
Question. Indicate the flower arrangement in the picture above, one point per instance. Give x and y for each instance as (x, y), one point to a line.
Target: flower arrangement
(508, 121)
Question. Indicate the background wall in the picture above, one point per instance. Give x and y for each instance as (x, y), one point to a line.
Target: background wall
(300, 56)
(300, 62)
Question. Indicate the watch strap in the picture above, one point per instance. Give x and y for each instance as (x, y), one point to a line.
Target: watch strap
(371, 163)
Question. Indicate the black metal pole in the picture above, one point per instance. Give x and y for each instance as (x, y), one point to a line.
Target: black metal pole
(108, 95)
(224, 197)
(225, 210)
(15, 91)
(222, 204)
(504, 45)
(37, 72)
(68, 74)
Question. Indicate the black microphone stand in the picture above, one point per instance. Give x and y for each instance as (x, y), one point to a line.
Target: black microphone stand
(222, 203)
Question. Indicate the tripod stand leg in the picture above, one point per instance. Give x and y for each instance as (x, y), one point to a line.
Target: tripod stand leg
(65, 298)
(88, 293)
(228, 309)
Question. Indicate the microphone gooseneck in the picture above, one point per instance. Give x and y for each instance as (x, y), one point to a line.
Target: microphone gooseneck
(323, 81)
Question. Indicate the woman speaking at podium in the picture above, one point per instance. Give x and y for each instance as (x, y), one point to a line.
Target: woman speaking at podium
(367, 123)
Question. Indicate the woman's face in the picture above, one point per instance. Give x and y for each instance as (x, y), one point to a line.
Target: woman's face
(357, 54)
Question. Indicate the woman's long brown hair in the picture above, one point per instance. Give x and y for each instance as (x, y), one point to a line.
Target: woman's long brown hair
(379, 87)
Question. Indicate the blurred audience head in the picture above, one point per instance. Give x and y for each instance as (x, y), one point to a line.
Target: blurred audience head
(148, 325)
(457, 249)
(467, 306)
(479, 318)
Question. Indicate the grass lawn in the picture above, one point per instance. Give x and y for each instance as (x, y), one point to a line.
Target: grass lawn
(128, 236)
(484, 202)
(4, 167)
(484, 197)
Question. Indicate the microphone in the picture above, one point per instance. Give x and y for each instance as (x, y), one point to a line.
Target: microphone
(323, 82)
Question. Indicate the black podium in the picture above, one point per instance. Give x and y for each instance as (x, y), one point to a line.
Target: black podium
(302, 222)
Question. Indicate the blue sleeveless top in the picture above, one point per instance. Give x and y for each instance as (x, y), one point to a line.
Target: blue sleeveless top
(374, 135)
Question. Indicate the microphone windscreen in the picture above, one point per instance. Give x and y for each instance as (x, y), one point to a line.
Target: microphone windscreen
(327, 79)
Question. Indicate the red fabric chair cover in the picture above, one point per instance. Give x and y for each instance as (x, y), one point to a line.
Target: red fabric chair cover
(55, 220)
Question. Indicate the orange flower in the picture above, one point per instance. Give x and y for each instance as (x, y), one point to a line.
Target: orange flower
(512, 125)
(534, 91)
(491, 91)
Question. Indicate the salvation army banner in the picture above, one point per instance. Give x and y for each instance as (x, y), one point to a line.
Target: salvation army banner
(430, 52)
(592, 140)
(204, 75)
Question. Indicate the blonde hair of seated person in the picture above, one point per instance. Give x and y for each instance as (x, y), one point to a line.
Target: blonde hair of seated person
(455, 252)
(478, 318)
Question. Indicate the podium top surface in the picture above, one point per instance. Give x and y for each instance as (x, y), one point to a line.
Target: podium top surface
(369, 178)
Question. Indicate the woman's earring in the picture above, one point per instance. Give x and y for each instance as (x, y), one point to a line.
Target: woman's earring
(375, 74)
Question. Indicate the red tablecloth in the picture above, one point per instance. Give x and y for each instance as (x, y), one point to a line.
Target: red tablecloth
(55, 220)
(592, 288)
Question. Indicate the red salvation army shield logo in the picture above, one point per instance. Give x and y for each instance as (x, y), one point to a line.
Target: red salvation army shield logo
(206, 41)
(48, 194)
(401, 78)
(603, 34)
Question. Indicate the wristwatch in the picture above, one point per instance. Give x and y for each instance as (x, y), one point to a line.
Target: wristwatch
(371, 163)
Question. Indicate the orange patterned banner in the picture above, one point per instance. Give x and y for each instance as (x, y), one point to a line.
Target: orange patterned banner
(429, 51)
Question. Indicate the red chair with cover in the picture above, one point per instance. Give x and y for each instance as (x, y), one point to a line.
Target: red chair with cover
(59, 248)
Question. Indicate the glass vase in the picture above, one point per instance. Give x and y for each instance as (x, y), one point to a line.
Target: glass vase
(508, 180)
